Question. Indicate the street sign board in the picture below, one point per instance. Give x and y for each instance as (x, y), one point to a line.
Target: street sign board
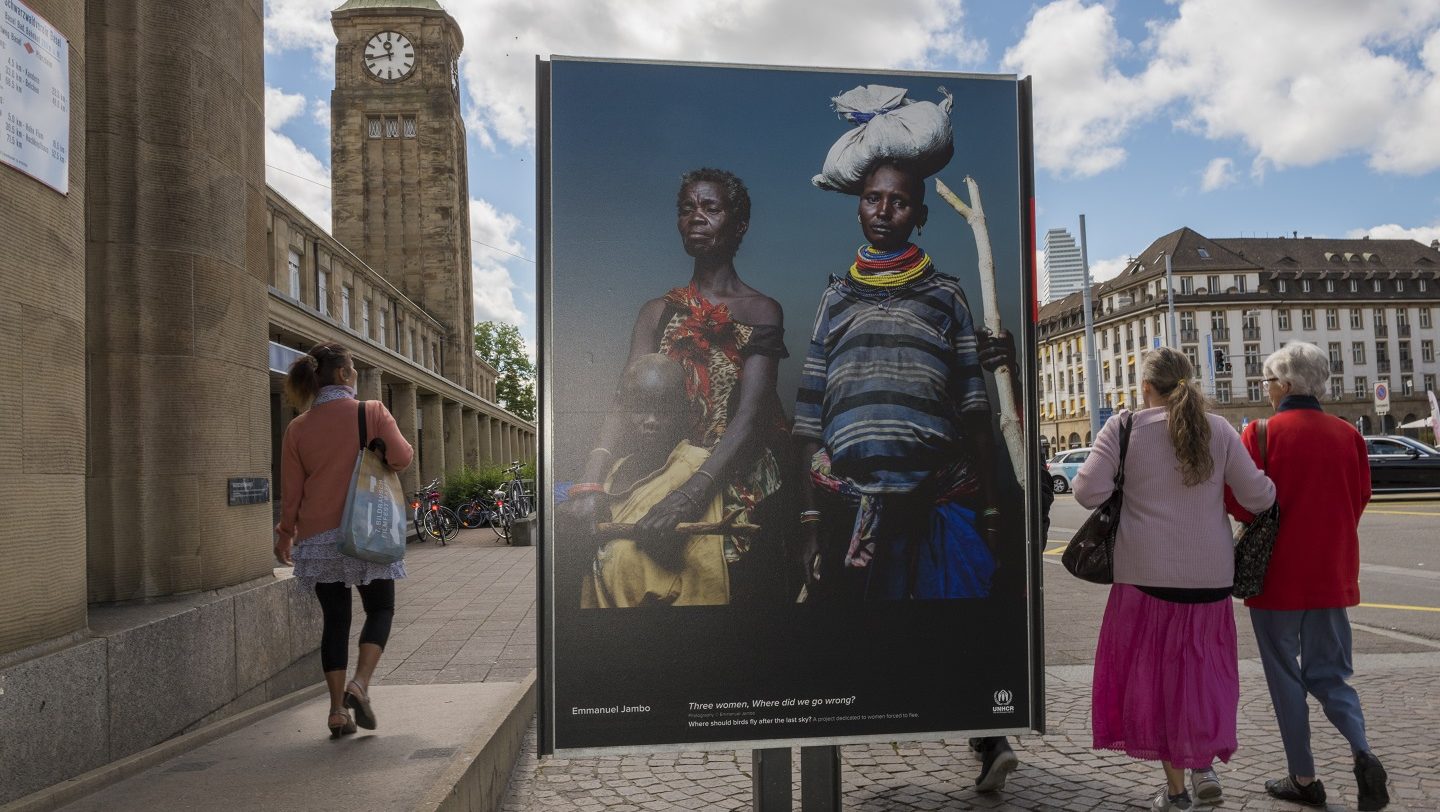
(1104, 413)
(1382, 399)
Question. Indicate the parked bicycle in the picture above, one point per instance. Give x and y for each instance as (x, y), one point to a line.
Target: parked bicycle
(520, 499)
(431, 519)
(496, 511)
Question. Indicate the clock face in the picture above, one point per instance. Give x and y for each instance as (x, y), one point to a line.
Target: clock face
(389, 56)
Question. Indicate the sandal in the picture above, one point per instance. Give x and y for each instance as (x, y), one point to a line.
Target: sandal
(345, 728)
(359, 701)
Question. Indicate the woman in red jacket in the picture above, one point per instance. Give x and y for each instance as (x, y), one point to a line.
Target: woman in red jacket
(317, 460)
(1322, 483)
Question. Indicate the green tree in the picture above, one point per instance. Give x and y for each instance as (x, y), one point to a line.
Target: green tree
(503, 348)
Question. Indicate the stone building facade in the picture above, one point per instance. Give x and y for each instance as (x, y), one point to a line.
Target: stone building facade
(145, 318)
(1373, 305)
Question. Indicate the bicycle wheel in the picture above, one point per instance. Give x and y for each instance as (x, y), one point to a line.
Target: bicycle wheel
(432, 528)
(501, 521)
(519, 499)
(449, 523)
(470, 515)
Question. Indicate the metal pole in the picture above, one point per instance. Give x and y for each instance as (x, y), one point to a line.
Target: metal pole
(1170, 296)
(1092, 371)
(820, 779)
(770, 780)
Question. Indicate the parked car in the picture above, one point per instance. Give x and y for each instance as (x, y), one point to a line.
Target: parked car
(1064, 466)
(1402, 464)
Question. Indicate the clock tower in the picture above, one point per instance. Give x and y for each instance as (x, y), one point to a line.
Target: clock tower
(399, 190)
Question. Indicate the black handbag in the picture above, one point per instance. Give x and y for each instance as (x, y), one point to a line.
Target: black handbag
(1255, 541)
(1090, 555)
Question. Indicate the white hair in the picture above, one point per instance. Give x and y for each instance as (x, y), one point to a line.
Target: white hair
(1304, 366)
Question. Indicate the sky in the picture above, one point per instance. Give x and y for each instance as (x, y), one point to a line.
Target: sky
(1233, 117)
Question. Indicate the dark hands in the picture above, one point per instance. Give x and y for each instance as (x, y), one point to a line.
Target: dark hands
(996, 349)
(675, 508)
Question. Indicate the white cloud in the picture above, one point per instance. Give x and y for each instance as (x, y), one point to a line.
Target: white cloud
(292, 170)
(494, 287)
(1107, 269)
(302, 24)
(1393, 231)
(505, 35)
(1218, 174)
(320, 113)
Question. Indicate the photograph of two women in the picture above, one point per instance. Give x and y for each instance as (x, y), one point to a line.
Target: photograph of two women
(785, 331)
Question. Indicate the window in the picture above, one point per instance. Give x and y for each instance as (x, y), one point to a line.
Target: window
(409, 126)
(410, 346)
(1222, 391)
(1329, 285)
(1429, 383)
(1357, 322)
(1362, 386)
(1424, 316)
(1402, 317)
(1305, 286)
(1280, 285)
(322, 292)
(1332, 318)
(1357, 352)
(1354, 285)
(384, 328)
(1252, 391)
(392, 128)
(1217, 320)
(1427, 350)
(1283, 318)
(1213, 283)
(372, 126)
(293, 263)
(1335, 351)
(1204, 254)
(365, 318)
(424, 350)
(1399, 285)
(1239, 283)
(345, 304)
(1337, 387)
(1405, 357)
(1187, 285)
(1187, 321)
(1421, 284)
(1307, 319)
(1407, 385)
(1376, 285)
(1379, 317)
(1193, 353)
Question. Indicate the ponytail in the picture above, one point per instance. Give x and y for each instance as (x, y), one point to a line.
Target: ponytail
(1170, 373)
(313, 370)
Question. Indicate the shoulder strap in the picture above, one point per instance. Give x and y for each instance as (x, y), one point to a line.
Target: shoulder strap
(1124, 447)
(364, 435)
(1260, 436)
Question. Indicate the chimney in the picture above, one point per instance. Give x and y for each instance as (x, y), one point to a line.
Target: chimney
(1295, 235)
(1435, 244)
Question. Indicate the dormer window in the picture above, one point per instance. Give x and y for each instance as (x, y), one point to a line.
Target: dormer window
(1204, 254)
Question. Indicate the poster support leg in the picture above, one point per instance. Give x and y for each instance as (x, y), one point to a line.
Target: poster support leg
(820, 779)
(771, 782)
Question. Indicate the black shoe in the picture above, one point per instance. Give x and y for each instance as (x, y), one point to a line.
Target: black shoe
(1288, 789)
(997, 761)
(1370, 781)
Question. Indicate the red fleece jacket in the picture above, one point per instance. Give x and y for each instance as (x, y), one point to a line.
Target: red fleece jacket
(1322, 484)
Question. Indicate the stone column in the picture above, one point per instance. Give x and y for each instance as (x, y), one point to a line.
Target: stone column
(368, 387)
(404, 405)
(454, 438)
(483, 433)
(497, 442)
(176, 292)
(42, 399)
(471, 422)
(432, 438)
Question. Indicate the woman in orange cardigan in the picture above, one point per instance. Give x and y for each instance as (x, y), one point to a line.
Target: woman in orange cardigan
(317, 460)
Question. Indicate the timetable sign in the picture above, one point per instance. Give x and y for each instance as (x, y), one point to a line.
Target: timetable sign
(34, 96)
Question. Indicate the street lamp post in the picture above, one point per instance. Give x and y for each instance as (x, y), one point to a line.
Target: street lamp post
(1092, 384)
(1170, 297)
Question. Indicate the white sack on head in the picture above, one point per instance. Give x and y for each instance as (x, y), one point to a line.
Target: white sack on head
(889, 127)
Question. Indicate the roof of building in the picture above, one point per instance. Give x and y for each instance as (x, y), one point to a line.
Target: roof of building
(355, 5)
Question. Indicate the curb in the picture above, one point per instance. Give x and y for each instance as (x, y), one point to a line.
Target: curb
(73, 789)
(477, 779)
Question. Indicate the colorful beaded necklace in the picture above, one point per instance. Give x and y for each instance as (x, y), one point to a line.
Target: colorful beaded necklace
(889, 269)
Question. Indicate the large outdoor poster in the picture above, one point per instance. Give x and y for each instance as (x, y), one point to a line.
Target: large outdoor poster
(785, 444)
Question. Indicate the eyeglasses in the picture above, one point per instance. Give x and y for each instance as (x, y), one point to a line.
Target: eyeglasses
(1272, 382)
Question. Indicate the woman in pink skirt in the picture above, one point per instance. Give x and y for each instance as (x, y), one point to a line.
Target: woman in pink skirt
(1166, 684)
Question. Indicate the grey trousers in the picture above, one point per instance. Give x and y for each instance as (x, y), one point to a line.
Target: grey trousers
(1308, 651)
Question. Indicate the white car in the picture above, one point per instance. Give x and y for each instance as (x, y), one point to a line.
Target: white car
(1064, 466)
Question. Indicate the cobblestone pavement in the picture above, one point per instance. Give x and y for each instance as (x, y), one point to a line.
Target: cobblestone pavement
(1398, 677)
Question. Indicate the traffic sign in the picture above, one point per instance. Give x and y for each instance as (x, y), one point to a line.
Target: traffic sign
(1104, 413)
(1382, 399)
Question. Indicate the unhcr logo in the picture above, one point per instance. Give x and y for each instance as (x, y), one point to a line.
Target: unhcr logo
(1004, 702)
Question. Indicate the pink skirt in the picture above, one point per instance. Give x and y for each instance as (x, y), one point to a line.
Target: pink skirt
(1167, 683)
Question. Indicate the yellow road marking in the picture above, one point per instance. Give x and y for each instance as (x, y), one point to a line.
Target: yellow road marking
(1056, 551)
(1403, 512)
(1400, 606)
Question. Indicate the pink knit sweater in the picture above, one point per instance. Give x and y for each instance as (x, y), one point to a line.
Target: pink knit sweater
(1171, 534)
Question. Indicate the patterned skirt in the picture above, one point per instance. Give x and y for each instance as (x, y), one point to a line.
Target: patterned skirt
(318, 561)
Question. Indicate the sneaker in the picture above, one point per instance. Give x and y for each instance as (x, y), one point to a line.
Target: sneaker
(1206, 784)
(1370, 782)
(1288, 789)
(977, 747)
(1164, 801)
(997, 761)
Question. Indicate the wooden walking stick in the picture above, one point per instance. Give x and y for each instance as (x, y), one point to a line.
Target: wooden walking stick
(725, 527)
(974, 214)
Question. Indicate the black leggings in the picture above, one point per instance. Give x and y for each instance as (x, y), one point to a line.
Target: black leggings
(378, 598)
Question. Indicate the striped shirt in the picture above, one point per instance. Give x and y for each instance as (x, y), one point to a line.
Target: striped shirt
(886, 377)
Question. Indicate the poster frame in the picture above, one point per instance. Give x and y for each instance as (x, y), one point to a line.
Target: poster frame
(1026, 337)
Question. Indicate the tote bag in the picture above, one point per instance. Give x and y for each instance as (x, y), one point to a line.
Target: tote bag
(1090, 555)
(1255, 541)
(372, 528)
